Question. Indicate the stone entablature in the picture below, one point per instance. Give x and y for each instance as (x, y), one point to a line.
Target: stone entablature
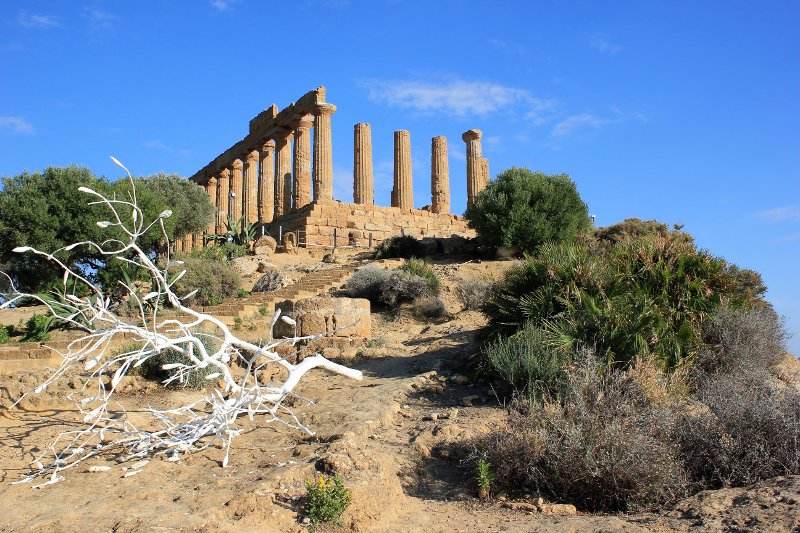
(267, 177)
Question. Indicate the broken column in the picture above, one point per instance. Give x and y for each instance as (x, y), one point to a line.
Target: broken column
(302, 162)
(236, 190)
(323, 157)
(363, 182)
(440, 176)
(211, 189)
(250, 189)
(283, 179)
(475, 182)
(266, 182)
(485, 171)
(223, 199)
(403, 192)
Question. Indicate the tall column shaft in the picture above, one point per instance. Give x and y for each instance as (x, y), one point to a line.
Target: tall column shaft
(323, 156)
(250, 188)
(440, 176)
(266, 183)
(403, 194)
(485, 171)
(223, 199)
(211, 189)
(302, 162)
(363, 181)
(236, 190)
(283, 178)
(475, 183)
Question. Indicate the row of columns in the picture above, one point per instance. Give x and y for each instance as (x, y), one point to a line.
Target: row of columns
(263, 186)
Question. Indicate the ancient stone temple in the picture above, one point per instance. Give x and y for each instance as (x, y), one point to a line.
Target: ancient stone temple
(280, 176)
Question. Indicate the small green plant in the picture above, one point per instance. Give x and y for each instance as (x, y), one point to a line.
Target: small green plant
(327, 499)
(5, 334)
(422, 269)
(37, 328)
(241, 293)
(263, 311)
(237, 323)
(484, 478)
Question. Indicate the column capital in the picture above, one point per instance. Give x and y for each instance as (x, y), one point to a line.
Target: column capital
(305, 123)
(237, 164)
(211, 180)
(225, 173)
(282, 135)
(252, 157)
(471, 135)
(323, 109)
(268, 146)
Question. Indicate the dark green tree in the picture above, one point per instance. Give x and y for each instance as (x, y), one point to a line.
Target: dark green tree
(191, 210)
(526, 209)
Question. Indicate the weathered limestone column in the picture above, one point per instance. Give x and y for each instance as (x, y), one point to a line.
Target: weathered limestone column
(302, 162)
(211, 189)
(403, 192)
(440, 176)
(485, 171)
(323, 156)
(250, 188)
(266, 183)
(223, 199)
(236, 190)
(475, 182)
(363, 181)
(283, 179)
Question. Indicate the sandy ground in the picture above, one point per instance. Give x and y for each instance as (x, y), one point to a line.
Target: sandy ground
(387, 436)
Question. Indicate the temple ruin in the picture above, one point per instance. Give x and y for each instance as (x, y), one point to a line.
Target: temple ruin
(273, 178)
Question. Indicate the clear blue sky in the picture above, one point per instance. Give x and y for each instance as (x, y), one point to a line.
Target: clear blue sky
(683, 111)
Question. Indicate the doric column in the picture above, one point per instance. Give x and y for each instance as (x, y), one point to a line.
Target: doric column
(236, 190)
(363, 181)
(485, 171)
(440, 176)
(475, 182)
(283, 179)
(250, 188)
(211, 189)
(403, 193)
(302, 162)
(323, 157)
(266, 183)
(223, 199)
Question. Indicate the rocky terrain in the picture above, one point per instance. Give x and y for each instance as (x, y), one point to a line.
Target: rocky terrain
(395, 438)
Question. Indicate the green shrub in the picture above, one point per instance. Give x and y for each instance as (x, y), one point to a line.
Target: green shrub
(37, 328)
(404, 246)
(327, 499)
(526, 209)
(194, 379)
(5, 334)
(402, 287)
(220, 252)
(420, 268)
(214, 281)
(599, 443)
(241, 293)
(484, 478)
(524, 362)
(391, 288)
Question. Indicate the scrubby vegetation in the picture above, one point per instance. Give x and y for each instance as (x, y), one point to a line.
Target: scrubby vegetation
(473, 292)
(414, 281)
(213, 280)
(193, 379)
(327, 499)
(527, 209)
(403, 246)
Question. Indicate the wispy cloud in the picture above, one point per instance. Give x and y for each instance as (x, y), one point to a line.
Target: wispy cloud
(164, 147)
(506, 46)
(222, 5)
(456, 97)
(30, 20)
(791, 238)
(576, 123)
(781, 214)
(605, 46)
(16, 125)
(99, 18)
